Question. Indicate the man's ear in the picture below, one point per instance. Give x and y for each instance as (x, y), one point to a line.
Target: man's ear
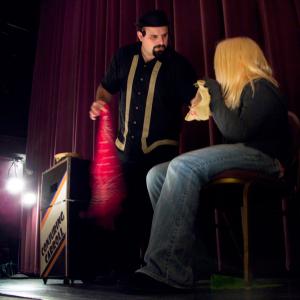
(139, 35)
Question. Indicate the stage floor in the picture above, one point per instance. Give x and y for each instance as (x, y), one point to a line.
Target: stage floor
(55, 289)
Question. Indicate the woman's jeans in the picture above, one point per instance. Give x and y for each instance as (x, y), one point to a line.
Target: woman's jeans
(174, 189)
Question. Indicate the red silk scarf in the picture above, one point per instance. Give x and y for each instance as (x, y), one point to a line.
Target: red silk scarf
(107, 185)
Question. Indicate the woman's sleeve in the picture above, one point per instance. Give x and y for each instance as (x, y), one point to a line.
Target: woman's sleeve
(240, 124)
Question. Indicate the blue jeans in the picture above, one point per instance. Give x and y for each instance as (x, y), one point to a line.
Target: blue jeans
(174, 189)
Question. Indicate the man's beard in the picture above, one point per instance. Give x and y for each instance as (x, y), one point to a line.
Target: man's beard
(158, 50)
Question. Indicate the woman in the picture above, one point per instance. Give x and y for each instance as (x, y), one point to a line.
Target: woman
(248, 109)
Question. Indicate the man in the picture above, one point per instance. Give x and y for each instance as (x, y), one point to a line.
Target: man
(154, 82)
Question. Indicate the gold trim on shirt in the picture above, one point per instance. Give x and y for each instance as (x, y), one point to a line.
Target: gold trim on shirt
(147, 149)
(148, 111)
(133, 67)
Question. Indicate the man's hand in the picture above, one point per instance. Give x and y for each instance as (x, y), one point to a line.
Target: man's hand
(96, 108)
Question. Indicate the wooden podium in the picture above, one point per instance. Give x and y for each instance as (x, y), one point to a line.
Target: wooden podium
(65, 192)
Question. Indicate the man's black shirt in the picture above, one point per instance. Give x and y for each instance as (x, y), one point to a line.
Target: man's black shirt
(173, 88)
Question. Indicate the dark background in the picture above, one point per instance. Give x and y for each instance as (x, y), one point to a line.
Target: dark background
(19, 22)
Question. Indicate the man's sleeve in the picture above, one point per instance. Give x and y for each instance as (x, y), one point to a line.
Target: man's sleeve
(187, 80)
(111, 80)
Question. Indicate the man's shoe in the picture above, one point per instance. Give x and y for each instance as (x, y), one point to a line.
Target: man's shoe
(143, 284)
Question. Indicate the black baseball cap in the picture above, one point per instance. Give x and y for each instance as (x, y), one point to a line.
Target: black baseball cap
(153, 18)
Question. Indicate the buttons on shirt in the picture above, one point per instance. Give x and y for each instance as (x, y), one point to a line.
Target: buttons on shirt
(141, 79)
(132, 137)
(136, 108)
(134, 122)
(139, 93)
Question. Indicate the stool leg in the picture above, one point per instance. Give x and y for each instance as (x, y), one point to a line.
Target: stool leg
(285, 234)
(217, 224)
(245, 226)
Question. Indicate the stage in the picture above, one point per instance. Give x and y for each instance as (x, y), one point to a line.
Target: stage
(34, 288)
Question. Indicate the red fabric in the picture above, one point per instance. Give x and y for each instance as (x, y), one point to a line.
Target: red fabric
(106, 176)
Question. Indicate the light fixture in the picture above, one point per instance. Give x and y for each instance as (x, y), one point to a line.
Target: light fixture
(29, 199)
(15, 182)
(15, 185)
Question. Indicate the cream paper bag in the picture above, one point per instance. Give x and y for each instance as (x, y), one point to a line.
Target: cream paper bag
(200, 111)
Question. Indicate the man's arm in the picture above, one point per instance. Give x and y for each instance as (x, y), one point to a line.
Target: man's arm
(102, 97)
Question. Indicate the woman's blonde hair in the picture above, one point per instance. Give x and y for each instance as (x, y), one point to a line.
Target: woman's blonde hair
(237, 62)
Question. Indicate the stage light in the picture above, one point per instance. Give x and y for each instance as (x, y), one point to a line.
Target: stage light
(29, 199)
(15, 185)
(15, 182)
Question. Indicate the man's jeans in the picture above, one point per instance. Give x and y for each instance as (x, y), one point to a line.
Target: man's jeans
(174, 189)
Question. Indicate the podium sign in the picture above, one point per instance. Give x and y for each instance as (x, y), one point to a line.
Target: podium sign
(65, 192)
(54, 231)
